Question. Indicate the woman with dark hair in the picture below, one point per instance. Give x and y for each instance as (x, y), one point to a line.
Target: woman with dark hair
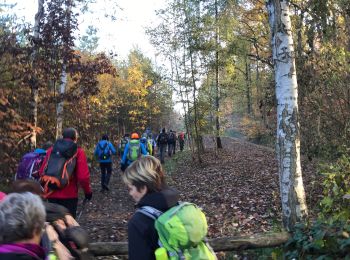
(146, 184)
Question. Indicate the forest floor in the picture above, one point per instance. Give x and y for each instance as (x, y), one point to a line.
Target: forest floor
(238, 191)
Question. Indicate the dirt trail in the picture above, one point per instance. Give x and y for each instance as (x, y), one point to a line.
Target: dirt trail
(238, 191)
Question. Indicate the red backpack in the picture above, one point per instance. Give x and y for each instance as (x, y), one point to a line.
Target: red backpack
(182, 136)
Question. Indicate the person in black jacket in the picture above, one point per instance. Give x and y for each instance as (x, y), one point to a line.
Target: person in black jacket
(146, 184)
(162, 142)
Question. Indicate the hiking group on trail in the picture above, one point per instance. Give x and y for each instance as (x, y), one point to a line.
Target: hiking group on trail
(161, 227)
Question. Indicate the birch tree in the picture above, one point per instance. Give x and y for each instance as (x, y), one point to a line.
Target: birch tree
(63, 81)
(34, 81)
(294, 207)
(217, 88)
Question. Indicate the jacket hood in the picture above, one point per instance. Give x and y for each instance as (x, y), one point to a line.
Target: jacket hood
(102, 142)
(162, 200)
(66, 147)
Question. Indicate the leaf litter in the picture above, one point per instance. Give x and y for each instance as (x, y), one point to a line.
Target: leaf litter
(238, 191)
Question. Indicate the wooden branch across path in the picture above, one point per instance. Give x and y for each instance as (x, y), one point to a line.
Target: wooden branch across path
(260, 240)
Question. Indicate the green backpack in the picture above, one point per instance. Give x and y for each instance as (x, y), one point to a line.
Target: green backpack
(123, 143)
(182, 230)
(134, 150)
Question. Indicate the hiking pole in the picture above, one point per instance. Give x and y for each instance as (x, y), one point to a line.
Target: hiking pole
(82, 209)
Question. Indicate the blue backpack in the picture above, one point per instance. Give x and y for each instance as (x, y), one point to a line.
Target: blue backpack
(104, 151)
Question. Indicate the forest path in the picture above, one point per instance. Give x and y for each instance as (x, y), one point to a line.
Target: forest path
(238, 191)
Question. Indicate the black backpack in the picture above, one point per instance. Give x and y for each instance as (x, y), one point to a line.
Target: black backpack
(171, 137)
(163, 138)
(60, 165)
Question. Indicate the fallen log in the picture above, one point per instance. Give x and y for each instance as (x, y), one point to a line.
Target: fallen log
(260, 240)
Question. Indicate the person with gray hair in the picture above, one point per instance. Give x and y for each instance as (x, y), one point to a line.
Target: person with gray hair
(22, 220)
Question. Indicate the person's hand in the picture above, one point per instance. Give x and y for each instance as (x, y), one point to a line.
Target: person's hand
(88, 196)
(62, 252)
(60, 226)
(71, 222)
(51, 233)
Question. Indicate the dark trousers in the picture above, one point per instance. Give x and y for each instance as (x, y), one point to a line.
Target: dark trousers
(70, 204)
(170, 148)
(162, 148)
(182, 143)
(106, 171)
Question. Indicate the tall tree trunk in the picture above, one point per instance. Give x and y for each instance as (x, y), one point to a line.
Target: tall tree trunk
(347, 29)
(195, 108)
(294, 207)
(63, 80)
(59, 109)
(217, 92)
(189, 134)
(257, 75)
(34, 82)
(248, 82)
(194, 85)
(187, 125)
(300, 33)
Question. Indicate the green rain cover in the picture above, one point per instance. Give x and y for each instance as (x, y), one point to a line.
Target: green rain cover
(182, 230)
(134, 150)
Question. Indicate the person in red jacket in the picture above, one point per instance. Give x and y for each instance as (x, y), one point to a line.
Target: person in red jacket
(68, 196)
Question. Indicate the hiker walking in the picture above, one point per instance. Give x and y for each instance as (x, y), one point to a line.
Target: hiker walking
(162, 142)
(64, 168)
(133, 150)
(146, 184)
(28, 167)
(122, 144)
(103, 151)
(147, 145)
(171, 142)
(181, 139)
(175, 140)
(153, 143)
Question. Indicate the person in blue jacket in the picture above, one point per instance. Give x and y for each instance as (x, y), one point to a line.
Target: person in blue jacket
(133, 150)
(103, 151)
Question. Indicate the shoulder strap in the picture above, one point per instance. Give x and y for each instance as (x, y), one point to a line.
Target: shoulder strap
(149, 211)
(104, 146)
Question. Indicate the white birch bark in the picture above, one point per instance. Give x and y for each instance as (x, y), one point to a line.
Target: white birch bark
(294, 207)
(34, 83)
(62, 87)
(59, 108)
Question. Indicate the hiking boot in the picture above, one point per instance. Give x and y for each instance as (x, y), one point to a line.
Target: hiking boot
(102, 190)
(105, 187)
